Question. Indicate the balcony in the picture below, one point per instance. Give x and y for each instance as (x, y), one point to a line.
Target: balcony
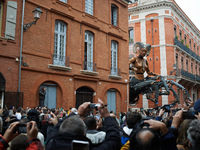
(89, 68)
(186, 49)
(197, 78)
(188, 75)
(60, 63)
(115, 73)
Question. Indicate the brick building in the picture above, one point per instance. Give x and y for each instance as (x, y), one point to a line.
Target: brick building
(10, 33)
(175, 42)
(77, 51)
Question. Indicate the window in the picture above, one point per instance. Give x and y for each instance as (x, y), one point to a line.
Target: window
(89, 6)
(199, 71)
(131, 35)
(180, 33)
(181, 62)
(192, 68)
(185, 39)
(194, 48)
(1, 10)
(65, 1)
(174, 31)
(198, 50)
(132, 1)
(114, 15)
(88, 53)
(176, 60)
(196, 69)
(114, 69)
(190, 44)
(59, 43)
(186, 65)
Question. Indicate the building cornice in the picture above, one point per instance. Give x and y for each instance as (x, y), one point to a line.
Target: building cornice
(170, 4)
(166, 16)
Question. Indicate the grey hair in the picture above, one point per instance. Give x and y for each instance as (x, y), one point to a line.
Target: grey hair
(73, 124)
(194, 134)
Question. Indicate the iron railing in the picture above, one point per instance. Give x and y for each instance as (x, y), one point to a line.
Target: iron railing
(188, 75)
(186, 49)
(60, 60)
(115, 71)
(13, 99)
(90, 66)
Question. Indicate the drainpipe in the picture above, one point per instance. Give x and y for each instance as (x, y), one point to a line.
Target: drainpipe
(152, 44)
(21, 43)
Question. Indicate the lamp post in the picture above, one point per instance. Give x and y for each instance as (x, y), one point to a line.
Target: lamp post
(151, 19)
(36, 14)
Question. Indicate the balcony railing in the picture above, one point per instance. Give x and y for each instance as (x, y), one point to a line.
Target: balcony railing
(60, 60)
(115, 71)
(188, 75)
(197, 78)
(90, 66)
(186, 49)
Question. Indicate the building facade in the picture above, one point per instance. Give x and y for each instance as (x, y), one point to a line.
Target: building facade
(175, 44)
(10, 34)
(77, 51)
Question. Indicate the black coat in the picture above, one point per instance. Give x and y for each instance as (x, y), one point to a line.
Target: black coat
(112, 141)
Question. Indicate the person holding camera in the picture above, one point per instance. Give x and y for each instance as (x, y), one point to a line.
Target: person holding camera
(73, 128)
(32, 144)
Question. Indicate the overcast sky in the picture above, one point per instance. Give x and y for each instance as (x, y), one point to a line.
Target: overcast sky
(191, 9)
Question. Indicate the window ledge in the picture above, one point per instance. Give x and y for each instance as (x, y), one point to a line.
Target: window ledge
(115, 77)
(93, 73)
(59, 67)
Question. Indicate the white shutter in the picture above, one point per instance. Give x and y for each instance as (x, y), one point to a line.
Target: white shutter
(11, 20)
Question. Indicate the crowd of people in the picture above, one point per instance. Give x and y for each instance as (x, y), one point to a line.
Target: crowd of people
(86, 128)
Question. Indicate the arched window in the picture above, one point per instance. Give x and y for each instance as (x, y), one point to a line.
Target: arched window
(114, 49)
(114, 9)
(88, 54)
(59, 43)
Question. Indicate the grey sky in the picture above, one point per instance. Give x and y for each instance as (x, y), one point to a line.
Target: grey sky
(191, 9)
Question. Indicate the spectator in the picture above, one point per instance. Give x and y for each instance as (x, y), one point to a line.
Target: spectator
(96, 137)
(131, 119)
(74, 128)
(32, 142)
(194, 135)
(18, 113)
(197, 105)
(19, 142)
(182, 140)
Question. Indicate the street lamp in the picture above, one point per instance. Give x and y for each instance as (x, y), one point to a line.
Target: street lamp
(174, 67)
(36, 15)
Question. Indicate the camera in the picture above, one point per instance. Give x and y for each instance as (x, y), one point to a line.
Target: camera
(21, 128)
(166, 108)
(189, 114)
(80, 145)
(94, 106)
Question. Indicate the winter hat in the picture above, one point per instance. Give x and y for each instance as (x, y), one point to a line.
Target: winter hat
(197, 105)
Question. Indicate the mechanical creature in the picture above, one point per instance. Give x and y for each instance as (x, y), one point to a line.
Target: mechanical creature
(154, 86)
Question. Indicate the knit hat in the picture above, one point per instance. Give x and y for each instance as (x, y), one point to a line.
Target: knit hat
(197, 105)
